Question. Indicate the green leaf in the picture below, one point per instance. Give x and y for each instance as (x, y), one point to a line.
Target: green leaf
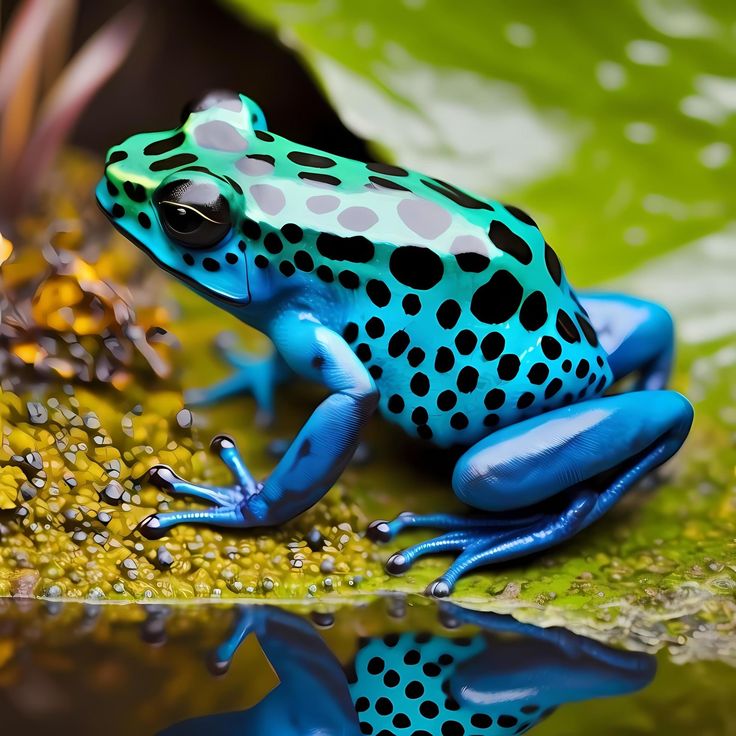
(613, 124)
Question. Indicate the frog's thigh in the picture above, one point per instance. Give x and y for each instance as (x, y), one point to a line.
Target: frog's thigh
(533, 460)
(638, 336)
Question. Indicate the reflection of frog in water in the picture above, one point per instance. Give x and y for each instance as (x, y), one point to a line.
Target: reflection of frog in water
(420, 684)
(447, 312)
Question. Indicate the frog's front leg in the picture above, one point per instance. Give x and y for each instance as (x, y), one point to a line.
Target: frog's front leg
(562, 470)
(316, 457)
(256, 375)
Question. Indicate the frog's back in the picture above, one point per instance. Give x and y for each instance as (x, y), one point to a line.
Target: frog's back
(456, 303)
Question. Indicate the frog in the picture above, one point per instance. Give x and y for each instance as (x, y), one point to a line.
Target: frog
(445, 312)
(475, 673)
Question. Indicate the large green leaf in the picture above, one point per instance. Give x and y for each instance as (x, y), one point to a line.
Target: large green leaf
(611, 122)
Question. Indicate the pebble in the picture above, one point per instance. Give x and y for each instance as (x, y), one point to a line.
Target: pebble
(315, 540)
(327, 566)
(164, 557)
(184, 418)
(113, 492)
(37, 412)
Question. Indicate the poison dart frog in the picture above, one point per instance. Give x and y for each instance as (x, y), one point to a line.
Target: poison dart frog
(446, 312)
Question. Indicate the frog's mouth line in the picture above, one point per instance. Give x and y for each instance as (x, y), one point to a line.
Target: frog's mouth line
(194, 285)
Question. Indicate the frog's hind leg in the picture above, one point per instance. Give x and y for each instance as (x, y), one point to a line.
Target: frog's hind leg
(256, 375)
(559, 472)
(638, 336)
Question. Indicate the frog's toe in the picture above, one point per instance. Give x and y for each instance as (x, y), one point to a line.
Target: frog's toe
(401, 561)
(151, 527)
(379, 531)
(439, 588)
(217, 666)
(162, 477)
(384, 531)
(397, 564)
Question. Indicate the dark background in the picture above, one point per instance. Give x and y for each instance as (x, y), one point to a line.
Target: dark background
(186, 48)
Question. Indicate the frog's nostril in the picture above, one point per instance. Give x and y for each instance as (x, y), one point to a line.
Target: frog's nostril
(115, 156)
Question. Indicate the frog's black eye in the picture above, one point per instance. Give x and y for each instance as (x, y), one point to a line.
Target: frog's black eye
(194, 214)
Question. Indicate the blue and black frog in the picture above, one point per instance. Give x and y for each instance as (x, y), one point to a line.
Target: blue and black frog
(446, 312)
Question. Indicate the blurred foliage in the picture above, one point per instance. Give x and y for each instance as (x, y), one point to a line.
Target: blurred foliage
(66, 290)
(43, 92)
(612, 124)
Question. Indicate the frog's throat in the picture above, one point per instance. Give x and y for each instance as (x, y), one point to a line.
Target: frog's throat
(190, 282)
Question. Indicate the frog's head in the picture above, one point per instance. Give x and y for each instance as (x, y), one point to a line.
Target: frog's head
(168, 192)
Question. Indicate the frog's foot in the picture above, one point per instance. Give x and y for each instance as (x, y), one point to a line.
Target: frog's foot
(483, 540)
(254, 375)
(228, 501)
(562, 470)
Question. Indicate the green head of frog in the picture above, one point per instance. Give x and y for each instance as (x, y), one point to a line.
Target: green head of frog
(170, 193)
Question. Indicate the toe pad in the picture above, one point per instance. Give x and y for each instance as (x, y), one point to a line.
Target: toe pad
(397, 564)
(150, 528)
(379, 531)
(162, 477)
(440, 588)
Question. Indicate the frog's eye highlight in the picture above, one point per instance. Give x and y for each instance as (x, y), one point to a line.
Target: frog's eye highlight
(194, 214)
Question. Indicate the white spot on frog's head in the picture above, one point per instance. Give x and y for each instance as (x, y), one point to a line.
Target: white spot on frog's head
(254, 166)
(610, 75)
(357, 219)
(322, 203)
(269, 198)
(715, 155)
(640, 133)
(423, 217)
(648, 53)
(219, 135)
(468, 244)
